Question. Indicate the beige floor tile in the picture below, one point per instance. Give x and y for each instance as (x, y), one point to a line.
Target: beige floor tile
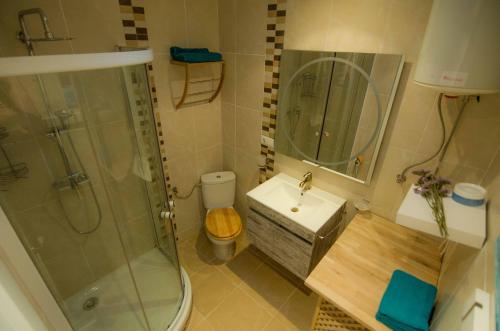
(197, 254)
(239, 312)
(210, 288)
(242, 294)
(299, 309)
(197, 278)
(195, 319)
(240, 267)
(267, 287)
(280, 324)
(203, 325)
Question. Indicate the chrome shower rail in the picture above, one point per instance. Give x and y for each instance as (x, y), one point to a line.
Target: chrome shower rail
(24, 35)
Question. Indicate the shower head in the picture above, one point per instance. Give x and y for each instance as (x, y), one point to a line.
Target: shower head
(64, 114)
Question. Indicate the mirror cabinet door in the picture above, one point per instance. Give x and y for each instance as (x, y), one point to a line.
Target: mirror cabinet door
(304, 108)
(328, 111)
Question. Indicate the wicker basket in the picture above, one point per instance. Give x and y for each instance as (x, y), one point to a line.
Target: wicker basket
(330, 318)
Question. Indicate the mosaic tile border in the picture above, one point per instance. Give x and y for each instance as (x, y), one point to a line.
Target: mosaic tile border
(133, 16)
(275, 38)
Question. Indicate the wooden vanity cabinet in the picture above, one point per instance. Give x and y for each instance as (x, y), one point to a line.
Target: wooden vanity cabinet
(293, 246)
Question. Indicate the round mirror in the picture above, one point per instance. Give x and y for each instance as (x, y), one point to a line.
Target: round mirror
(330, 110)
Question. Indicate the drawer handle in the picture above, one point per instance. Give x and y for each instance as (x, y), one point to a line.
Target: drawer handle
(254, 220)
(336, 227)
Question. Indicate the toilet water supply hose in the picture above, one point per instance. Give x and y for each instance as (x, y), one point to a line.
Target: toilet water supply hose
(187, 196)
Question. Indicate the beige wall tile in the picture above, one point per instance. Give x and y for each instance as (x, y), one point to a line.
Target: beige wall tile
(166, 24)
(357, 25)
(105, 23)
(248, 125)
(307, 24)
(183, 172)
(227, 158)
(251, 26)
(47, 228)
(207, 125)
(477, 136)
(249, 81)
(10, 25)
(387, 193)
(247, 177)
(404, 19)
(180, 133)
(228, 113)
(228, 93)
(227, 25)
(247, 170)
(168, 81)
(37, 187)
(188, 212)
(68, 271)
(139, 236)
(103, 250)
(209, 160)
(203, 23)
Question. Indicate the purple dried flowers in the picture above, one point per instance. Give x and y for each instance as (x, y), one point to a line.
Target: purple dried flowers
(433, 189)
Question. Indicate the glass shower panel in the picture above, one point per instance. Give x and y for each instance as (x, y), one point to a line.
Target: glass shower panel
(47, 216)
(88, 210)
(126, 148)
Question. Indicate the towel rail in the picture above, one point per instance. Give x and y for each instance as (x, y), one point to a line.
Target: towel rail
(189, 81)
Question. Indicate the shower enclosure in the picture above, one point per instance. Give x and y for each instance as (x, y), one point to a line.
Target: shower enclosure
(81, 183)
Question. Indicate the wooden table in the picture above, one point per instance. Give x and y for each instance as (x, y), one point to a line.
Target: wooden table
(355, 272)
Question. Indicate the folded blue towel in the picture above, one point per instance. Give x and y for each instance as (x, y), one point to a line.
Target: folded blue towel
(194, 55)
(407, 303)
(178, 50)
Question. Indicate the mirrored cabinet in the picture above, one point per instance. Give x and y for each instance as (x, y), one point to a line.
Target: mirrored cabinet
(333, 108)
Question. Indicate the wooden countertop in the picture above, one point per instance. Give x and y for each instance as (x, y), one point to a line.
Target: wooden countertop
(355, 272)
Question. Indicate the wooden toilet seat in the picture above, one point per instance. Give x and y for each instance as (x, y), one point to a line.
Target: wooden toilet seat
(223, 223)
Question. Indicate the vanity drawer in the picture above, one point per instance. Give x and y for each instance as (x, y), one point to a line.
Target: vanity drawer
(277, 218)
(286, 248)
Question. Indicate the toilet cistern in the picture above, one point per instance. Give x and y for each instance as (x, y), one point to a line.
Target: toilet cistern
(305, 183)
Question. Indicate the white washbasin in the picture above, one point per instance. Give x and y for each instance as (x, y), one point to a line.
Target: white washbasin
(310, 209)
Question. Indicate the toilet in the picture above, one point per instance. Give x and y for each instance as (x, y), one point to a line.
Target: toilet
(222, 223)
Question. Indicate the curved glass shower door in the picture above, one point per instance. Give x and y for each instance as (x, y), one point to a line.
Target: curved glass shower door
(81, 182)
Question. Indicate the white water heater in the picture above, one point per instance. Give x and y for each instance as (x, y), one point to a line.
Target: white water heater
(461, 49)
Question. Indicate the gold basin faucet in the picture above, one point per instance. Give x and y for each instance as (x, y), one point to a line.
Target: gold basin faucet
(305, 183)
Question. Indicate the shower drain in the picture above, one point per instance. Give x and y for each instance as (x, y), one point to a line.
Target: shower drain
(90, 303)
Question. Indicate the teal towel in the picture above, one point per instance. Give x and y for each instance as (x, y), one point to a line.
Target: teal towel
(407, 303)
(194, 55)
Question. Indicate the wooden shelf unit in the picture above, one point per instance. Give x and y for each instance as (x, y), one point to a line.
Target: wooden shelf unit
(189, 82)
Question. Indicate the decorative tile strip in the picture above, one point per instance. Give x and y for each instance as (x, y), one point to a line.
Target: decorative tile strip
(276, 15)
(133, 16)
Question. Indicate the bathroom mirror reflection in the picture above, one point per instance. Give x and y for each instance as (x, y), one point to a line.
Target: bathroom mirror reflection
(333, 108)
